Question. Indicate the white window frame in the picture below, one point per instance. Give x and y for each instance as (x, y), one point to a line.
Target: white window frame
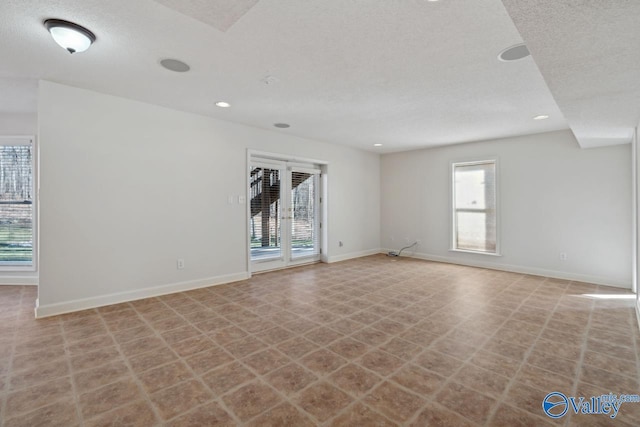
(27, 140)
(452, 205)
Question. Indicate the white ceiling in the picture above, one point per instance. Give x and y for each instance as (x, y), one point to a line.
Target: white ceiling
(404, 73)
(589, 54)
(220, 14)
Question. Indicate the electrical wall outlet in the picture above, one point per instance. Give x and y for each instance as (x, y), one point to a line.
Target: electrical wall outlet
(180, 263)
(563, 256)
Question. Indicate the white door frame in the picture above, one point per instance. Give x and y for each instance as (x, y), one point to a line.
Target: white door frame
(289, 162)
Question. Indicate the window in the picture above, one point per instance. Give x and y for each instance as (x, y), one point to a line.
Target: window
(16, 202)
(474, 207)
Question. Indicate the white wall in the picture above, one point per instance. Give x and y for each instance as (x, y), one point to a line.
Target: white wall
(127, 188)
(14, 124)
(554, 197)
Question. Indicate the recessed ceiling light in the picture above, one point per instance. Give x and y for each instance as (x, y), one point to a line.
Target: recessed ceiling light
(72, 37)
(380, 145)
(223, 104)
(282, 125)
(514, 53)
(541, 117)
(175, 65)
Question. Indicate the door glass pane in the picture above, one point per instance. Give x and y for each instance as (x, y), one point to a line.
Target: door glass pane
(304, 236)
(265, 213)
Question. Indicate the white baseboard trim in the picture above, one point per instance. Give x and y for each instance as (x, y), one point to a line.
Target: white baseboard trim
(120, 297)
(351, 255)
(18, 280)
(523, 270)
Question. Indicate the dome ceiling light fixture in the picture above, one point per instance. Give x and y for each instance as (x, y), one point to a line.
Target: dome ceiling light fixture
(71, 37)
(223, 104)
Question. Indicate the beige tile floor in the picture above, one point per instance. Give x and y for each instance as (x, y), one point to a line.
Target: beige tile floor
(375, 341)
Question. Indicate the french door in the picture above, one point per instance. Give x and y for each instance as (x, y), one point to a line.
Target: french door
(284, 209)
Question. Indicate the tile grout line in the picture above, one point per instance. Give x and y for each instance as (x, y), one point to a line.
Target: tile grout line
(411, 360)
(583, 350)
(198, 378)
(10, 373)
(387, 378)
(512, 380)
(297, 361)
(330, 289)
(5, 395)
(67, 353)
(319, 378)
(132, 373)
(450, 378)
(325, 377)
(260, 378)
(219, 398)
(360, 399)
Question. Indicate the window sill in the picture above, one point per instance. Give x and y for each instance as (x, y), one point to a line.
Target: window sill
(497, 254)
(17, 269)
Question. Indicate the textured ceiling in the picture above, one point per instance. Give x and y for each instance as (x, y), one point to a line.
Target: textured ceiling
(589, 53)
(406, 74)
(220, 14)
